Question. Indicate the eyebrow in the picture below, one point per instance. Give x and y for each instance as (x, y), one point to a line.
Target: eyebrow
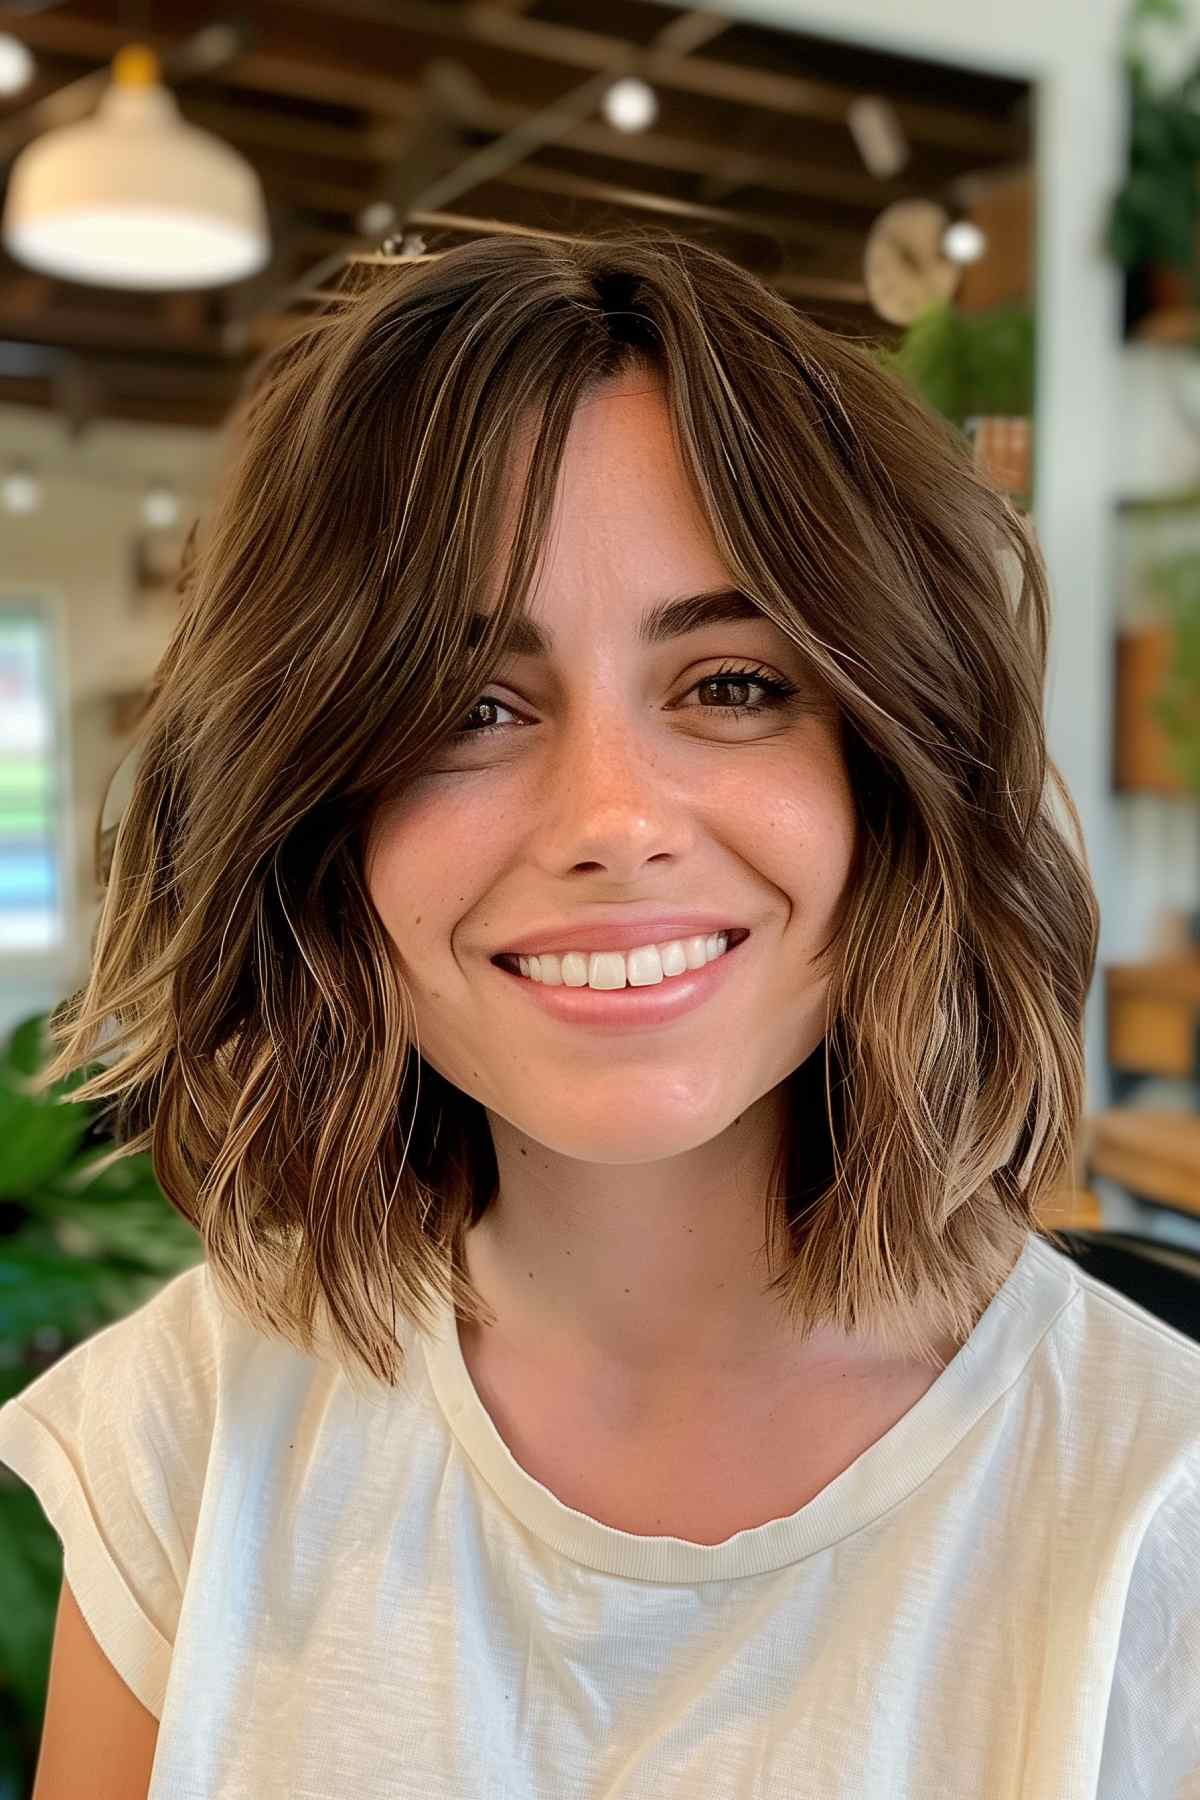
(657, 625)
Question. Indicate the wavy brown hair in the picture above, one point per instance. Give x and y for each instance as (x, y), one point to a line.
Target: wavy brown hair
(258, 1036)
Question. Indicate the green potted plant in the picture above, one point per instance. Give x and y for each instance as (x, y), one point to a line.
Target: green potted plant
(977, 370)
(1175, 581)
(1153, 219)
(78, 1250)
(969, 365)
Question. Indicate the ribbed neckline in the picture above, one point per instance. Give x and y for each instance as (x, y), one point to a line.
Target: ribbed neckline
(1039, 1286)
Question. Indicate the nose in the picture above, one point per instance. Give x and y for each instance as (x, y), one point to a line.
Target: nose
(611, 797)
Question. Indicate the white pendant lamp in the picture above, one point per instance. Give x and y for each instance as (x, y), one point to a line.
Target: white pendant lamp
(135, 197)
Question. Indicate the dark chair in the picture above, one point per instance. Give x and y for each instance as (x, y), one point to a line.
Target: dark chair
(1162, 1278)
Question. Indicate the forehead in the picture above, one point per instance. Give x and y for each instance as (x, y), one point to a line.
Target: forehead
(620, 468)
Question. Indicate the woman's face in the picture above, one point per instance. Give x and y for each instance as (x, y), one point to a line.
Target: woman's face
(616, 783)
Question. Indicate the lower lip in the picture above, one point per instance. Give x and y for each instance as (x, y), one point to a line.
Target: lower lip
(624, 1009)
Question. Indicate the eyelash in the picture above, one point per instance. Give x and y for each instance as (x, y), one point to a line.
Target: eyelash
(781, 693)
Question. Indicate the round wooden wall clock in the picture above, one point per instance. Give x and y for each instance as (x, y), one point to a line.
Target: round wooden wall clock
(903, 265)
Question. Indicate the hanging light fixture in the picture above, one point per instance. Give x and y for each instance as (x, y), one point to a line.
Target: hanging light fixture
(135, 197)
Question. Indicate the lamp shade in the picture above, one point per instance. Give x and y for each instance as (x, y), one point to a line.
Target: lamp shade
(135, 197)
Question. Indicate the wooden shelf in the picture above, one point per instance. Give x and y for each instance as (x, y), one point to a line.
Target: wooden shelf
(1142, 759)
(1155, 1156)
(1152, 1014)
(1173, 978)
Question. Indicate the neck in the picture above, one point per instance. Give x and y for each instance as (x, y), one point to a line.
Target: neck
(645, 1297)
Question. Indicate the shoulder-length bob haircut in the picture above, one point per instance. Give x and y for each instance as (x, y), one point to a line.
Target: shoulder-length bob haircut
(259, 1037)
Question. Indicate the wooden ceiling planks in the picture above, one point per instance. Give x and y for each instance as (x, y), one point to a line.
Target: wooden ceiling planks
(338, 103)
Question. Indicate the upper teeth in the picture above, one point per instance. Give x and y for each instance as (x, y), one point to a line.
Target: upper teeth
(613, 968)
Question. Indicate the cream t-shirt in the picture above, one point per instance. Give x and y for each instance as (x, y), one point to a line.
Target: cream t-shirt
(329, 1597)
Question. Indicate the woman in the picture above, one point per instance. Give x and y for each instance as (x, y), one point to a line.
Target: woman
(593, 955)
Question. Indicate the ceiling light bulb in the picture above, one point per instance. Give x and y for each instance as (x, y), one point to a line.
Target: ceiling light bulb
(376, 217)
(20, 490)
(160, 506)
(630, 104)
(963, 242)
(16, 64)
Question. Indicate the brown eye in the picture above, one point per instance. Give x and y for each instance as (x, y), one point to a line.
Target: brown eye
(779, 692)
(482, 731)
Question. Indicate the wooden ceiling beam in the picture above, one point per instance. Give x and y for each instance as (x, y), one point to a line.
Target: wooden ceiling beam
(253, 127)
(683, 155)
(254, 132)
(268, 72)
(382, 142)
(781, 229)
(538, 178)
(383, 145)
(397, 100)
(483, 25)
(73, 325)
(516, 76)
(481, 22)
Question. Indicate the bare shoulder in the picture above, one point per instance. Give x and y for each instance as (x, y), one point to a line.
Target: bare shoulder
(97, 1737)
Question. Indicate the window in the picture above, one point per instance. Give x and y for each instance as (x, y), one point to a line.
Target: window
(31, 808)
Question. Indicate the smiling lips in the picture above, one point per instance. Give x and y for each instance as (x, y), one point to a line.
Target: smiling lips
(656, 1004)
(646, 965)
(620, 931)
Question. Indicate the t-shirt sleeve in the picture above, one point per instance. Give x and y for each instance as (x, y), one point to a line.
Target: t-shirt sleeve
(114, 1440)
(1152, 1737)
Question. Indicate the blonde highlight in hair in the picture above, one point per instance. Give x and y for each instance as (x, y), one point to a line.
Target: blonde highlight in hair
(260, 1039)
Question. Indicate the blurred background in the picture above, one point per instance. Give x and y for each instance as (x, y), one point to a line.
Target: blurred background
(1002, 199)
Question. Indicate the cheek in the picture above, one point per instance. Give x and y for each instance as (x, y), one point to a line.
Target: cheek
(806, 836)
(425, 863)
